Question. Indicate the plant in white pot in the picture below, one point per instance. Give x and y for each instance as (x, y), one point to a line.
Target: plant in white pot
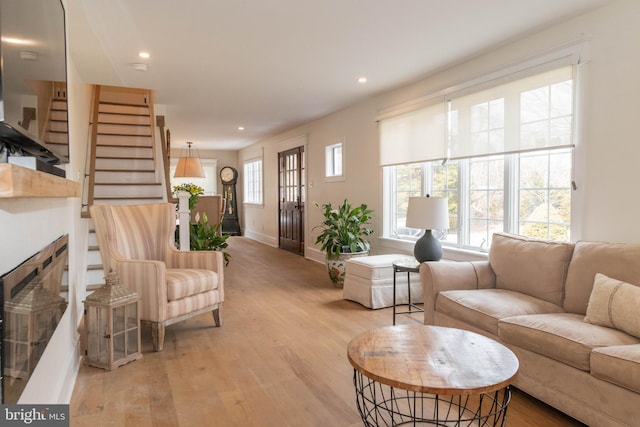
(343, 236)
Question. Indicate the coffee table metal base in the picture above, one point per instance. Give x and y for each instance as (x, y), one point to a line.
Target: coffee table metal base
(382, 405)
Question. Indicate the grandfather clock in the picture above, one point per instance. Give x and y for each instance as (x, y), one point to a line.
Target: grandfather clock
(230, 223)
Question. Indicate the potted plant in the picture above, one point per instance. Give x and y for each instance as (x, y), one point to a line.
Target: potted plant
(343, 236)
(207, 237)
(195, 191)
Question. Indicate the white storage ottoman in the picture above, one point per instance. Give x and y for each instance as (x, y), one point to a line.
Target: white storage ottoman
(369, 281)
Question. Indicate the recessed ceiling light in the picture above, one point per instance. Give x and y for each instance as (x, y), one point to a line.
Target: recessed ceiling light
(139, 67)
(240, 127)
(362, 80)
(144, 55)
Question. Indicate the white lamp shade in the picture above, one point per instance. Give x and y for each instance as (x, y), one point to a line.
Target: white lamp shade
(428, 213)
(189, 167)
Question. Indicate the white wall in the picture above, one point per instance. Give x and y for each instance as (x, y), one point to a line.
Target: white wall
(28, 225)
(605, 205)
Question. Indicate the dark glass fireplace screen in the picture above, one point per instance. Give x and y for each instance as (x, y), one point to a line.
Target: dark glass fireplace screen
(32, 308)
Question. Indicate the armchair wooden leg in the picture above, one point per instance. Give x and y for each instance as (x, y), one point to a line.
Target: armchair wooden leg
(157, 335)
(217, 315)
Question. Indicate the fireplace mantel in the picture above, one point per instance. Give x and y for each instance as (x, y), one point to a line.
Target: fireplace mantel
(17, 181)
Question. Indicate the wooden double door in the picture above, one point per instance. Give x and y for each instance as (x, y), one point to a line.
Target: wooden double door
(291, 179)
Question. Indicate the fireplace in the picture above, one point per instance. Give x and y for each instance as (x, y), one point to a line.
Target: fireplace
(32, 308)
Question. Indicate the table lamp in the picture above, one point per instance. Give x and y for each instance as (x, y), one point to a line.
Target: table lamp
(428, 213)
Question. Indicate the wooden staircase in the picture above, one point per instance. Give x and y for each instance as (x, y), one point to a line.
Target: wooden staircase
(57, 133)
(124, 164)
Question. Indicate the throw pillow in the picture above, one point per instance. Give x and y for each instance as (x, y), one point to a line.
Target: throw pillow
(614, 303)
(533, 267)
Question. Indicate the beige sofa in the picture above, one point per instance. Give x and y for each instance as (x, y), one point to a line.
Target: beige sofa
(536, 297)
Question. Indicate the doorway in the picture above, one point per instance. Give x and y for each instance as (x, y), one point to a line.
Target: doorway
(291, 179)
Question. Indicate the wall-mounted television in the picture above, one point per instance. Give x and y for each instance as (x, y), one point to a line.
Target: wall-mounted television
(33, 81)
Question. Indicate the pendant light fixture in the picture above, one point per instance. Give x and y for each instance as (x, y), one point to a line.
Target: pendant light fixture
(189, 167)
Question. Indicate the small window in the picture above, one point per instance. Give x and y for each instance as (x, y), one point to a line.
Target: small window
(334, 161)
(253, 181)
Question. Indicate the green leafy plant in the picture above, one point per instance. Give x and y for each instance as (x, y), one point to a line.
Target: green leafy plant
(344, 229)
(207, 237)
(193, 189)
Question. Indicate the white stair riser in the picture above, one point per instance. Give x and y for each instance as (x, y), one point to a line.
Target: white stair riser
(110, 94)
(58, 126)
(124, 140)
(55, 137)
(125, 164)
(121, 202)
(114, 191)
(132, 177)
(93, 240)
(124, 129)
(124, 109)
(125, 152)
(94, 258)
(123, 119)
(95, 277)
(58, 115)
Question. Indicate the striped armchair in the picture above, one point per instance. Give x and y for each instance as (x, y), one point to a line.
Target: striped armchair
(137, 241)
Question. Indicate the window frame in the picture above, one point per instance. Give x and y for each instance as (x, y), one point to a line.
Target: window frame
(510, 218)
(331, 163)
(253, 183)
(533, 67)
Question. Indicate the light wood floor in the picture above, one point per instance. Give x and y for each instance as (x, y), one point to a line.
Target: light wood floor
(278, 360)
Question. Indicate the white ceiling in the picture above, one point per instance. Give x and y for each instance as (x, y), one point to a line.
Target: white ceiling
(269, 65)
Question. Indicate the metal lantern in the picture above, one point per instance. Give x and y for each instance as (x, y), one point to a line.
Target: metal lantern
(112, 325)
(30, 319)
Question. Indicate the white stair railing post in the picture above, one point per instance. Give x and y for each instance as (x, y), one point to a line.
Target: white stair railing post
(184, 218)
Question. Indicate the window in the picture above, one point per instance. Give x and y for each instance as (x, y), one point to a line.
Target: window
(253, 181)
(334, 161)
(508, 163)
(209, 183)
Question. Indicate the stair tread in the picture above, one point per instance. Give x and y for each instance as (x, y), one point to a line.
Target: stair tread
(123, 134)
(124, 158)
(129, 198)
(127, 183)
(126, 104)
(124, 124)
(125, 170)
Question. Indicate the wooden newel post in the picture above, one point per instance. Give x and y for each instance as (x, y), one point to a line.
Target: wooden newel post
(184, 219)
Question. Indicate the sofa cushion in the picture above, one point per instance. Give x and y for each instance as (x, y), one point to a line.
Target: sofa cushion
(560, 336)
(614, 303)
(617, 260)
(484, 307)
(534, 267)
(618, 364)
(185, 282)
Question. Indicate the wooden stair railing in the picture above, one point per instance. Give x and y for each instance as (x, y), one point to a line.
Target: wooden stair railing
(165, 144)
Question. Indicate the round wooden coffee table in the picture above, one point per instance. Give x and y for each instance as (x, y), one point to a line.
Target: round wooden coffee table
(431, 375)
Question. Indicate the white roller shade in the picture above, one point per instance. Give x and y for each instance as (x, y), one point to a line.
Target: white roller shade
(531, 113)
(415, 136)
